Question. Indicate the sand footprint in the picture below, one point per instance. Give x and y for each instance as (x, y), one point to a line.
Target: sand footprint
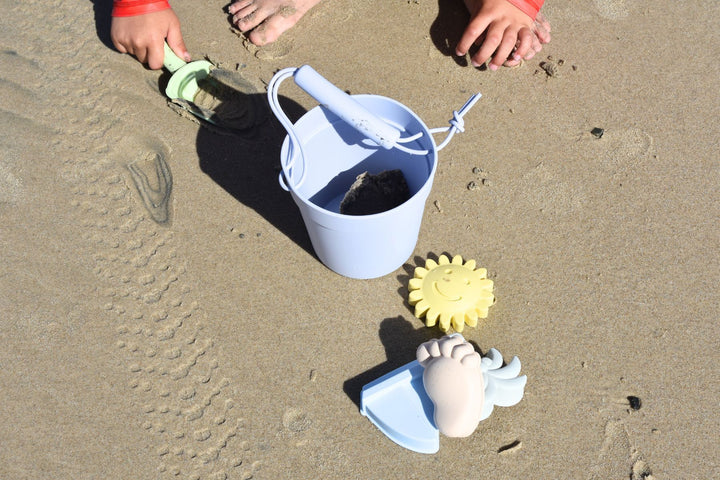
(154, 194)
(453, 380)
(273, 51)
(617, 456)
(174, 390)
(150, 172)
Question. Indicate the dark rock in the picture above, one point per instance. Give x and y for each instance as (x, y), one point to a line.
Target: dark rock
(371, 194)
(635, 402)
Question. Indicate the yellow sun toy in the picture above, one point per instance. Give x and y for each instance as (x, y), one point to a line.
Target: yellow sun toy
(454, 292)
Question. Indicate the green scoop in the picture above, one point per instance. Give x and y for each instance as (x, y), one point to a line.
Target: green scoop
(185, 76)
(221, 100)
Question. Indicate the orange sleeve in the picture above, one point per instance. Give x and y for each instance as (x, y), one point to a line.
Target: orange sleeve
(131, 8)
(530, 7)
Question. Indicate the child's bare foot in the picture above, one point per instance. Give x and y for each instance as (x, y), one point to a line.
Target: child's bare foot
(266, 20)
(453, 380)
(541, 36)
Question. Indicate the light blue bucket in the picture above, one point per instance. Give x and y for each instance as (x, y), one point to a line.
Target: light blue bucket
(335, 142)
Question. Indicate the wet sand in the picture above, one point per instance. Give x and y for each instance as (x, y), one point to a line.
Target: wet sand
(164, 316)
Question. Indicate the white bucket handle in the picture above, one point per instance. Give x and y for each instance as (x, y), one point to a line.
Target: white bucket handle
(344, 106)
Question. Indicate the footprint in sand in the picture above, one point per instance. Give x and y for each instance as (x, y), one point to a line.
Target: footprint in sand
(541, 188)
(272, 51)
(154, 191)
(175, 391)
(184, 403)
(621, 150)
(453, 380)
(617, 458)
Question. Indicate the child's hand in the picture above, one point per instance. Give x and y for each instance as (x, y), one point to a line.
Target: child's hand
(143, 36)
(503, 32)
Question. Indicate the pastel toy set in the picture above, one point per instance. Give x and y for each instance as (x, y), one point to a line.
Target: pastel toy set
(449, 388)
(364, 141)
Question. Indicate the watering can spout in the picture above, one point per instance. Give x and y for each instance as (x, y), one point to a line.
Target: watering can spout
(345, 107)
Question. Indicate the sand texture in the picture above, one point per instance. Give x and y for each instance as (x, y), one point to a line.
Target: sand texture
(163, 316)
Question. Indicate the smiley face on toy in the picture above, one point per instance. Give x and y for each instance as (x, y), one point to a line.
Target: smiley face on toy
(453, 292)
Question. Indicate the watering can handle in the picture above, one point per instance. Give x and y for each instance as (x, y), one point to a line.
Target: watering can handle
(345, 107)
(349, 110)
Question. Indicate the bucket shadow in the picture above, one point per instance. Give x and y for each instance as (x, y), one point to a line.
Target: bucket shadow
(400, 338)
(247, 167)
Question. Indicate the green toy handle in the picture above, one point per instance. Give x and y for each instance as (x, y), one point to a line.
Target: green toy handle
(171, 61)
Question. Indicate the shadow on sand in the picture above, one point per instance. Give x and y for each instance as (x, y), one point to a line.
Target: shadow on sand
(400, 339)
(247, 167)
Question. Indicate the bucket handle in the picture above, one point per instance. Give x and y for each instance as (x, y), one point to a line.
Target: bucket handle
(344, 106)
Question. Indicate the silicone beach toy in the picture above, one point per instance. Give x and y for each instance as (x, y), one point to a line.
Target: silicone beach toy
(215, 96)
(451, 291)
(397, 404)
(184, 82)
(449, 389)
(338, 140)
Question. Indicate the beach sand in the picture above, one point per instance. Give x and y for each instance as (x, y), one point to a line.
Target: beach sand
(163, 315)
